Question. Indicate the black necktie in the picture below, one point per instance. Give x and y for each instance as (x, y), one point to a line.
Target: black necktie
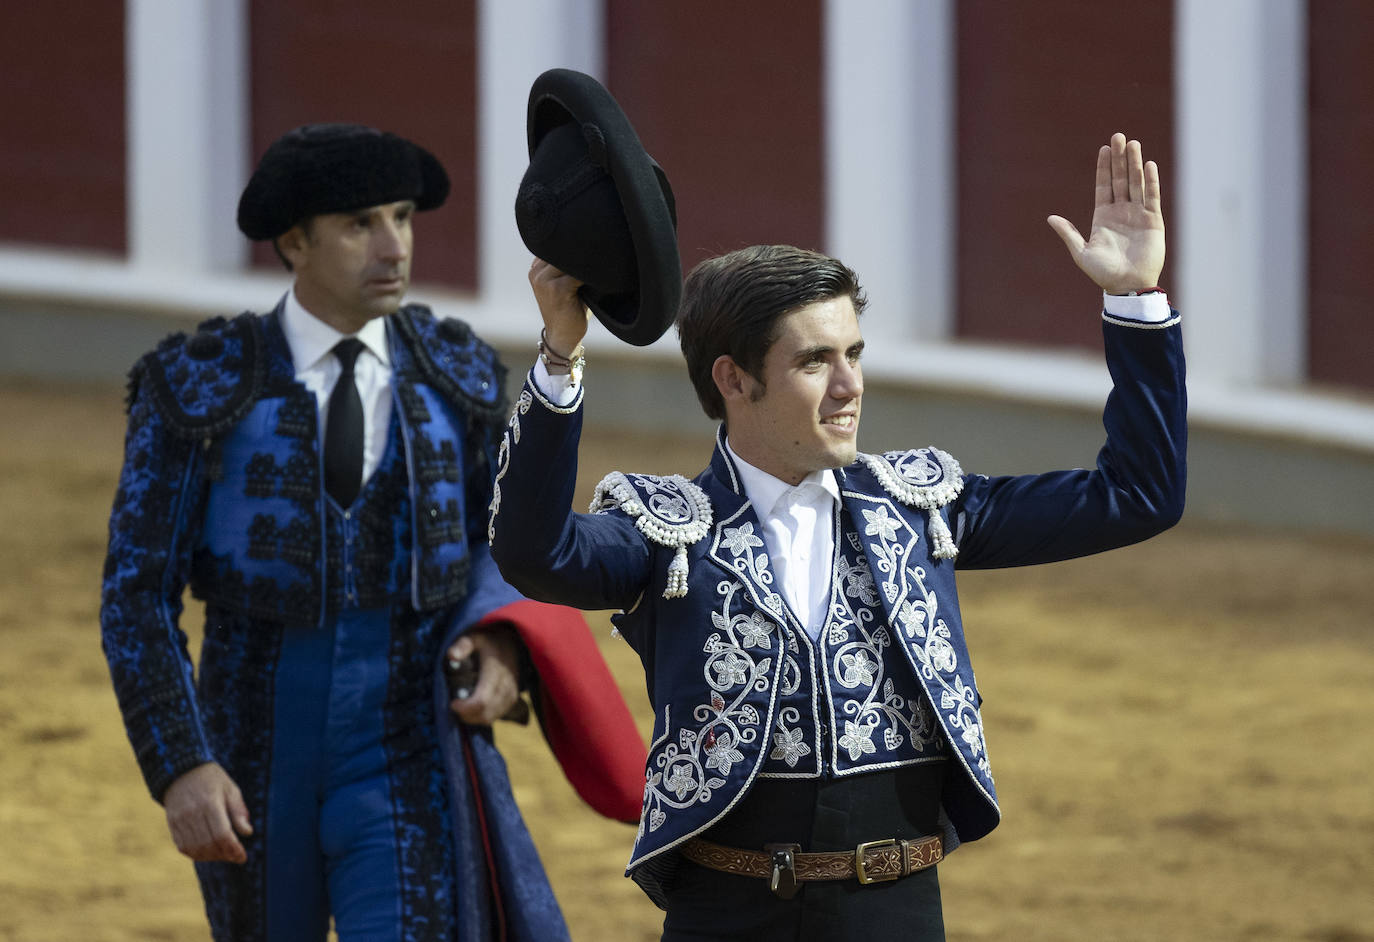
(343, 433)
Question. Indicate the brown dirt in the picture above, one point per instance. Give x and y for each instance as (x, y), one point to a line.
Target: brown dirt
(1183, 732)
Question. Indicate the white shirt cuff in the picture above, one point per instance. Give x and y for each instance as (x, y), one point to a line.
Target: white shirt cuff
(1150, 308)
(560, 389)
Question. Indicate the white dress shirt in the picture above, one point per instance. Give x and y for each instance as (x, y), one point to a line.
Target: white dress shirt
(799, 531)
(1147, 308)
(558, 388)
(311, 342)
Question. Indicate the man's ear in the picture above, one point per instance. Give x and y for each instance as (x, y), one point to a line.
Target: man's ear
(292, 245)
(733, 382)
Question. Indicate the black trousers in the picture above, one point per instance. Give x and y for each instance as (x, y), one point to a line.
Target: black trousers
(820, 815)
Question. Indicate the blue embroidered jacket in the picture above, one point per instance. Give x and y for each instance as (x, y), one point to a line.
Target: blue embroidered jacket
(685, 563)
(221, 489)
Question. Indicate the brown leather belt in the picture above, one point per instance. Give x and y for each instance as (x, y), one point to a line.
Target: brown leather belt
(784, 864)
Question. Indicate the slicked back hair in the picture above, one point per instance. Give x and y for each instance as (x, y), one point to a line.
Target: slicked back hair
(733, 305)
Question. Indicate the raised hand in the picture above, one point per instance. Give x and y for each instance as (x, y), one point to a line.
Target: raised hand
(565, 316)
(1124, 251)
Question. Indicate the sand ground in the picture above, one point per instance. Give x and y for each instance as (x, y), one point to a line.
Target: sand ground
(1182, 732)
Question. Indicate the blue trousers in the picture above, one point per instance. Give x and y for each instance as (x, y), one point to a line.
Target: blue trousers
(330, 840)
(352, 815)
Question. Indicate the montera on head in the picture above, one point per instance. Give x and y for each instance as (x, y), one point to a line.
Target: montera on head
(337, 200)
(334, 168)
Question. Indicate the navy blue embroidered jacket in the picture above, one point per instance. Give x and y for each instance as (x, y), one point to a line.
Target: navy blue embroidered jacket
(685, 563)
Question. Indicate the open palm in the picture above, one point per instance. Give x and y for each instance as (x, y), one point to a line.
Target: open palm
(1124, 250)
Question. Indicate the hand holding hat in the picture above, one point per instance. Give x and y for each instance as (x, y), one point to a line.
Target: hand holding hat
(595, 205)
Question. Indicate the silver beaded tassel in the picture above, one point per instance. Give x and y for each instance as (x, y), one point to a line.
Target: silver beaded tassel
(941, 540)
(670, 511)
(677, 575)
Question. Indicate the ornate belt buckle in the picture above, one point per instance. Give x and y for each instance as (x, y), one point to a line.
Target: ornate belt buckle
(784, 879)
(862, 872)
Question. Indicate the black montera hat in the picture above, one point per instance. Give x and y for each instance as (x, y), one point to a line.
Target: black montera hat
(596, 206)
(334, 168)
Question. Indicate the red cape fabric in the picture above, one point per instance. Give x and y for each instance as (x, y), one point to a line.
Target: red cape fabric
(584, 717)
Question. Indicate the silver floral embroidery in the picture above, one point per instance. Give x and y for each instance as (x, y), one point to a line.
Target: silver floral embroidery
(857, 668)
(512, 433)
(857, 581)
(791, 668)
(924, 478)
(789, 742)
(731, 671)
(741, 542)
(682, 780)
(754, 630)
(880, 524)
(858, 739)
(917, 617)
(858, 642)
(670, 511)
(723, 754)
(689, 770)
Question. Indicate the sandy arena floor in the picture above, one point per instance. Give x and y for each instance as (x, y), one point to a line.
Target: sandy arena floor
(1182, 732)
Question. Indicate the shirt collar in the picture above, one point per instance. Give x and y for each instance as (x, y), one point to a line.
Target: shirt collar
(767, 492)
(311, 339)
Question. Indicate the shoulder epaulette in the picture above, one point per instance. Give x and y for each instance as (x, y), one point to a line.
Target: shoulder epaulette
(455, 360)
(206, 382)
(924, 478)
(670, 511)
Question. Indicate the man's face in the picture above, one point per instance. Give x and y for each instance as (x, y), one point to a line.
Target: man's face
(805, 414)
(351, 267)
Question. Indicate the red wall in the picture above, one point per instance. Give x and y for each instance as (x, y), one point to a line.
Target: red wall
(62, 117)
(726, 96)
(1341, 193)
(1040, 88)
(408, 68)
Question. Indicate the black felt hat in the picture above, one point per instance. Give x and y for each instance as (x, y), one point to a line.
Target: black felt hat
(596, 206)
(334, 168)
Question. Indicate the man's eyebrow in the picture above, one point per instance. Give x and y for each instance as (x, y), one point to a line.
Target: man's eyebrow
(821, 349)
(807, 353)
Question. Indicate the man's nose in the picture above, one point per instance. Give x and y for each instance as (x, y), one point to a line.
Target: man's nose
(391, 243)
(847, 382)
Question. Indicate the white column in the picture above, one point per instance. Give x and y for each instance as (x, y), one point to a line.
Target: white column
(889, 146)
(1242, 188)
(517, 42)
(187, 130)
